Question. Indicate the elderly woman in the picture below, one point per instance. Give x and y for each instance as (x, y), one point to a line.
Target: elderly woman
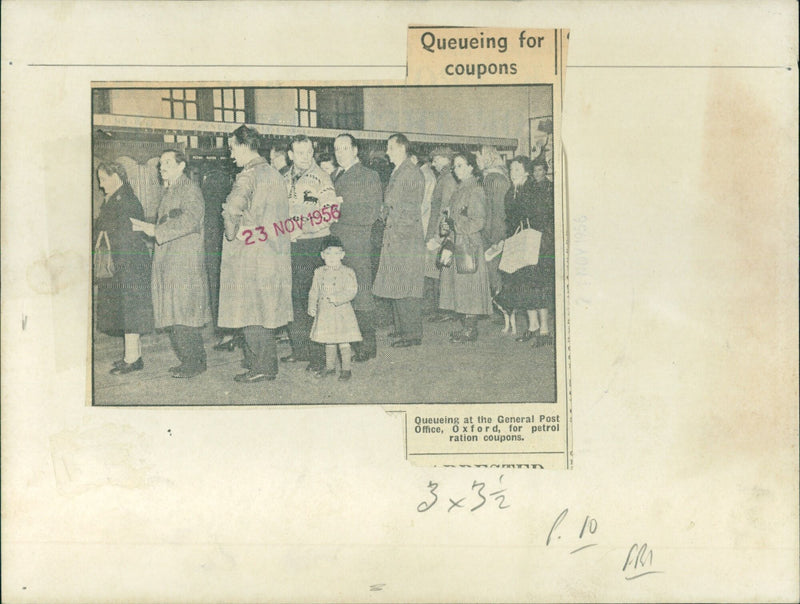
(466, 293)
(124, 305)
(530, 202)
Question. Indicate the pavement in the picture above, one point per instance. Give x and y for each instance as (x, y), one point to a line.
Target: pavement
(493, 369)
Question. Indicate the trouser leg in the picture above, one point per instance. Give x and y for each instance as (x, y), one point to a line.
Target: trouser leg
(305, 260)
(262, 351)
(189, 342)
(396, 320)
(176, 345)
(431, 298)
(409, 311)
(368, 347)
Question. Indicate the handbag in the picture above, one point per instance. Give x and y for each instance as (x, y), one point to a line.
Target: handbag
(521, 249)
(444, 256)
(466, 256)
(103, 262)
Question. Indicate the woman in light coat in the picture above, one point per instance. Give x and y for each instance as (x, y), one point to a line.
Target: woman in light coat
(468, 293)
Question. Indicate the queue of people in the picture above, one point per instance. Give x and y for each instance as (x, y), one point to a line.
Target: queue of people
(310, 248)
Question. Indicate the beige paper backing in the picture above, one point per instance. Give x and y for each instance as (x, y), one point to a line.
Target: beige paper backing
(680, 131)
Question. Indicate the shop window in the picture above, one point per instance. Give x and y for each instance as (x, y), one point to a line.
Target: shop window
(306, 107)
(229, 105)
(179, 103)
(340, 108)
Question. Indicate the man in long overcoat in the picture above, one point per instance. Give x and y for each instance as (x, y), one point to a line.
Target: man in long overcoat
(256, 271)
(179, 283)
(401, 270)
(440, 200)
(495, 185)
(361, 192)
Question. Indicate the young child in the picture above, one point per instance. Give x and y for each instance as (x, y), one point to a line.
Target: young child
(332, 289)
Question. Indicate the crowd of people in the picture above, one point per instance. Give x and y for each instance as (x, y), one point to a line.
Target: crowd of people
(309, 243)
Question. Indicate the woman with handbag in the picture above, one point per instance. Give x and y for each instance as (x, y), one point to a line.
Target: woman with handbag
(464, 285)
(529, 203)
(124, 305)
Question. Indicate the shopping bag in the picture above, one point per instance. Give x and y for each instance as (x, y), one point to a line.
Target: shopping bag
(520, 250)
(103, 262)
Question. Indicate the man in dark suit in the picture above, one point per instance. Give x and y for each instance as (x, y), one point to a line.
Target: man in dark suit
(361, 193)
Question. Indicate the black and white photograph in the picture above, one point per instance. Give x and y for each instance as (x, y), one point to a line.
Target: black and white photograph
(324, 245)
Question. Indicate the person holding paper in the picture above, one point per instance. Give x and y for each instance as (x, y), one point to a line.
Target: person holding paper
(256, 271)
(529, 203)
(123, 301)
(466, 293)
(361, 195)
(179, 283)
(401, 271)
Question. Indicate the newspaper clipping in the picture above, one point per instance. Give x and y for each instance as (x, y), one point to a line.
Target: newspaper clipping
(399, 244)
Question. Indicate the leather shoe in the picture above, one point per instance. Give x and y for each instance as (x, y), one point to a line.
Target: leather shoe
(344, 376)
(321, 373)
(393, 334)
(524, 337)
(442, 318)
(227, 345)
(119, 363)
(188, 372)
(137, 365)
(314, 367)
(406, 342)
(471, 335)
(251, 377)
(293, 359)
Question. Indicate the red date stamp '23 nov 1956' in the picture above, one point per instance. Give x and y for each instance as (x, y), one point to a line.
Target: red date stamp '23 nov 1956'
(252, 235)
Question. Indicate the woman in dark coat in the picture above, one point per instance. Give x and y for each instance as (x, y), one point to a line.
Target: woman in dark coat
(124, 304)
(529, 201)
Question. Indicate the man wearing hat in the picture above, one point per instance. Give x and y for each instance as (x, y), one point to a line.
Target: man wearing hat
(441, 157)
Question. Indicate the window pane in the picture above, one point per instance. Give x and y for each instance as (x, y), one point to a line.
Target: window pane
(169, 138)
(314, 119)
(217, 97)
(240, 116)
(228, 96)
(240, 98)
(177, 93)
(164, 94)
(312, 99)
(190, 95)
(303, 118)
(191, 111)
(303, 98)
(166, 109)
(193, 141)
(220, 141)
(228, 115)
(217, 115)
(182, 138)
(178, 109)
